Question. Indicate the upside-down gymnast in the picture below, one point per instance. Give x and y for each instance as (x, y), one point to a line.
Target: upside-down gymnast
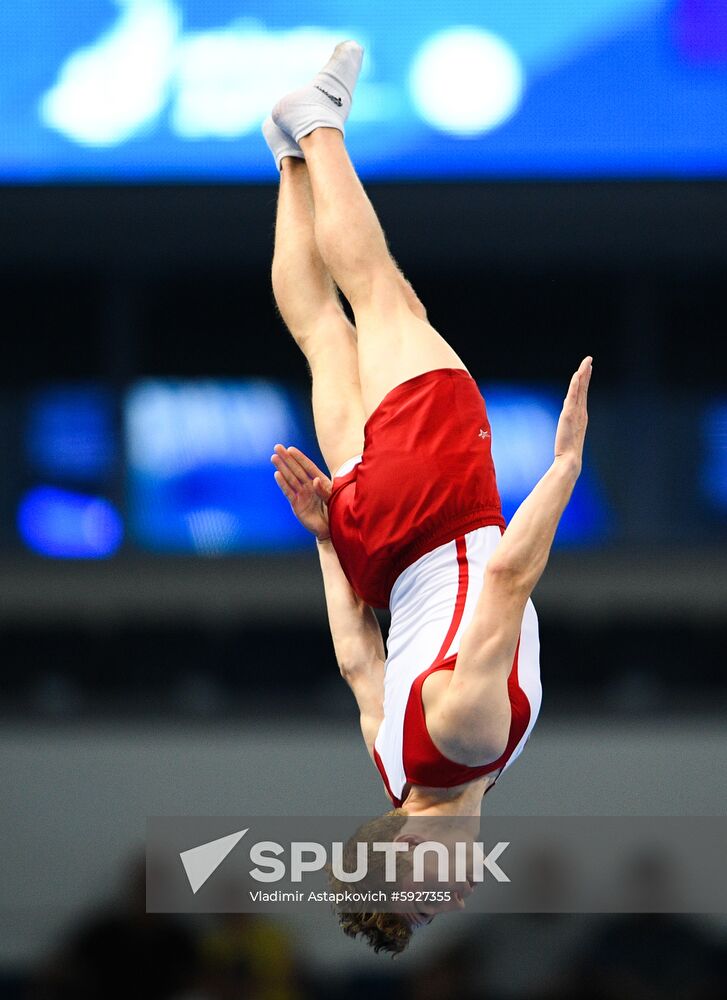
(410, 516)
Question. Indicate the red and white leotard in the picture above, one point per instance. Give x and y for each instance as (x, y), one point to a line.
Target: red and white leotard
(414, 520)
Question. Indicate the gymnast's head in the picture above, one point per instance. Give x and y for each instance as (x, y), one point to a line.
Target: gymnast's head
(426, 897)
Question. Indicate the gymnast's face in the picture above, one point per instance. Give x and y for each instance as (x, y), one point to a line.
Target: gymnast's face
(431, 895)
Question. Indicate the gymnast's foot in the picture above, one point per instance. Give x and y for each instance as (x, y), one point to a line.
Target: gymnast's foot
(326, 101)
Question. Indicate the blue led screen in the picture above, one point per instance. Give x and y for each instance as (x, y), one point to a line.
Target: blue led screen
(65, 524)
(189, 471)
(714, 467)
(70, 432)
(199, 474)
(175, 90)
(200, 478)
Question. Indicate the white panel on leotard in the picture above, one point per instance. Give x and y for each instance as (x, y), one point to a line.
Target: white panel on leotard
(528, 674)
(347, 466)
(423, 603)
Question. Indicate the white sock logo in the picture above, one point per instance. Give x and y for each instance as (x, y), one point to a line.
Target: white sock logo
(336, 100)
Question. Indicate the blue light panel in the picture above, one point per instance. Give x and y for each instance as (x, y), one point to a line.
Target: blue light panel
(714, 469)
(69, 433)
(199, 473)
(68, 525)
(145, 90)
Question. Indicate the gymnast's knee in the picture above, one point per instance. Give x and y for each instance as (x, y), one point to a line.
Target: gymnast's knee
(384, 288)
(313, 321)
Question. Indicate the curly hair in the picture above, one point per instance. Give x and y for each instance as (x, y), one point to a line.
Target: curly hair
(389, 932)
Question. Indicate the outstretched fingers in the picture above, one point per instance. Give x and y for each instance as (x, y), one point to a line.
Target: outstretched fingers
(306, 465)
(284, 470)
(584, 377)
(279, 479)
(578, 388)
(298, 471)
(293, 467)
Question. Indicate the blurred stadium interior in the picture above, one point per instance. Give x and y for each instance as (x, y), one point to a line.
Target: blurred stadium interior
(193, 673)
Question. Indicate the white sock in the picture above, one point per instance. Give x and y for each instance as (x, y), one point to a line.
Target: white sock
(326, 101)
(281, 145)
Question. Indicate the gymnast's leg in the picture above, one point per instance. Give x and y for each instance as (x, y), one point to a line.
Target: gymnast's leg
(395, 341)
(309, 305)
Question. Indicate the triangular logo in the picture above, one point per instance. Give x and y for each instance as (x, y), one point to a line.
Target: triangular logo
(200, 862)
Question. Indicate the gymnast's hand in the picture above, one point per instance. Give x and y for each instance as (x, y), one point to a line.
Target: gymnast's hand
(305, 486)
(573, 421)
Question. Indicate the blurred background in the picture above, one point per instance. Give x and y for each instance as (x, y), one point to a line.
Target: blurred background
(552, 180)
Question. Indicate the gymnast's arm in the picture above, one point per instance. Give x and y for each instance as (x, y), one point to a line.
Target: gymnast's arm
(357, 641)
(476, 705)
